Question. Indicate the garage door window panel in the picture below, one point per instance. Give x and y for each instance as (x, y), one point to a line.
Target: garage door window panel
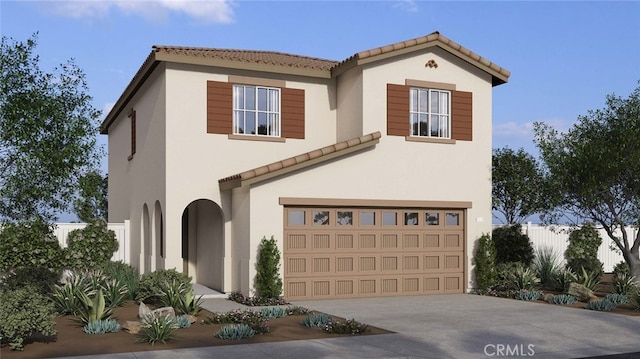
(389, 219)
(296, 217)
(432, 219)
(411, 219)
(344, 218)
(321, 218)
(367, 218)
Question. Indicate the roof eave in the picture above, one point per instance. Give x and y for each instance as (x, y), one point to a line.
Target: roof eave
(138, 80)
(240, 65)
(497, 77)
(238, 181)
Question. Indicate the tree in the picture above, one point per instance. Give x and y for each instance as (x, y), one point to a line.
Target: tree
(92, 203)
(517, 190)
(48, 133)
(594, 171)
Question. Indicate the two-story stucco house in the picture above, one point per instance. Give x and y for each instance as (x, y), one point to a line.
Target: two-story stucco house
(373, 173)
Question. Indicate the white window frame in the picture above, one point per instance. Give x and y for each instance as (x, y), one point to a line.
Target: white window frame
(423, 115)
(245, 111)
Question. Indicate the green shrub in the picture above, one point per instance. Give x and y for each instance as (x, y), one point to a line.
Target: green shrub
(620, 269)
(123, 273)
(617, 298)
(268, 281)
(316, 320)
(170, 292)
(90, 247)
(296, 310)
(485, 262)
(562, 279)
(238, 297)
(67, 298)
(512, 245)
(624, 283)
(29, 244)
(157, 330)
(582, 251)
(546, 265)
(189, 303)
(273, 312)
(42, 279)
(588, 279)
(102, 326)
(601, 305)
(115, 292)
(24, 312)
(151, 284)
(563, 299)
(349, 327)
(235, 332)
(528, 295)
(523, 278)
(255, 320)
(94, 308)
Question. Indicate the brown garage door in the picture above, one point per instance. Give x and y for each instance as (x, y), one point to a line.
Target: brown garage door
(368, 252)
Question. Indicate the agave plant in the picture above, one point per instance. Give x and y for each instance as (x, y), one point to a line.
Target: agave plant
(189, 303)
(93, 309)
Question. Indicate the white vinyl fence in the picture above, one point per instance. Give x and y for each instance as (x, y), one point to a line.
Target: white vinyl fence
(557, 237)
(121, 230)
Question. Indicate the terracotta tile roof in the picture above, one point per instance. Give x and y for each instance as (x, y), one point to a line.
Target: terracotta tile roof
(250, 56)
(424, 40)
(300, 161)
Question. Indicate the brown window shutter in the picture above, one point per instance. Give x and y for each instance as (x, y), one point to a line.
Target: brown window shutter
(292, 112)
(132, 116)
(462, 115)
(219, 107)
(397, 110)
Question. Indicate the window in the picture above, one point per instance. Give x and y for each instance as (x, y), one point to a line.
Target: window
(256, 110)
(132, 116)
(429, 113)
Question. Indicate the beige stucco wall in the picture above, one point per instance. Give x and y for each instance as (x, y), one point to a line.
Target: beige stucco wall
(178, 162)
(397, 169)
(141, 180)
(350, 106)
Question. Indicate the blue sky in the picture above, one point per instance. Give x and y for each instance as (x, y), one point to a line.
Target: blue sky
(564, 57)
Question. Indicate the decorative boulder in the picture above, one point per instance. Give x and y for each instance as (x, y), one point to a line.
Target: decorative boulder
(579, 291)
(547, 296)
(143, 311)
(132, 327)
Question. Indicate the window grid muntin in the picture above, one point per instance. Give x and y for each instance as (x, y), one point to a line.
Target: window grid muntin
(429, 118)
(255, 106)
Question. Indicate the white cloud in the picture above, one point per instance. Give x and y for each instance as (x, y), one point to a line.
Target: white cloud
(207, 11)
(524, 130)
(406, 5)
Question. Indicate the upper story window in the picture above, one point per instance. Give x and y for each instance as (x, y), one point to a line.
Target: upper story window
(256, 110)
(429, 112)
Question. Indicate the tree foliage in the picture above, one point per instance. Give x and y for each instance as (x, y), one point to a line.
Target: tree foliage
(512, 245)
(48, 133)
(485, 261)
(268, 281)
(517, 190)
(582, 251)
(594, 170)
(92, 203)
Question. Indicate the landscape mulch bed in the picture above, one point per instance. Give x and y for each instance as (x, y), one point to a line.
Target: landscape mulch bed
(71, 340)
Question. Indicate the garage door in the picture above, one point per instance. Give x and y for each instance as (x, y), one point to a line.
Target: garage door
(368, 252)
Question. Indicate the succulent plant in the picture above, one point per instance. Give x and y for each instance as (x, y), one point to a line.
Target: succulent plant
(235, 332)
(102, 326)
(316, 320)
(601, 305)
(563, 299)
(529, 295)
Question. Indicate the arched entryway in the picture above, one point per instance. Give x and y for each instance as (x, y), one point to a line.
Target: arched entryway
(203, 243)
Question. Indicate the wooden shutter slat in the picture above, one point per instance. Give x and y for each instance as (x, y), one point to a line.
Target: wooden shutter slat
(397, 110)
(462, 115)
(219, 107)
(292, 112)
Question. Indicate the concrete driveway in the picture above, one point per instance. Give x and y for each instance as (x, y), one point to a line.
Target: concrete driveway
(443, 326)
